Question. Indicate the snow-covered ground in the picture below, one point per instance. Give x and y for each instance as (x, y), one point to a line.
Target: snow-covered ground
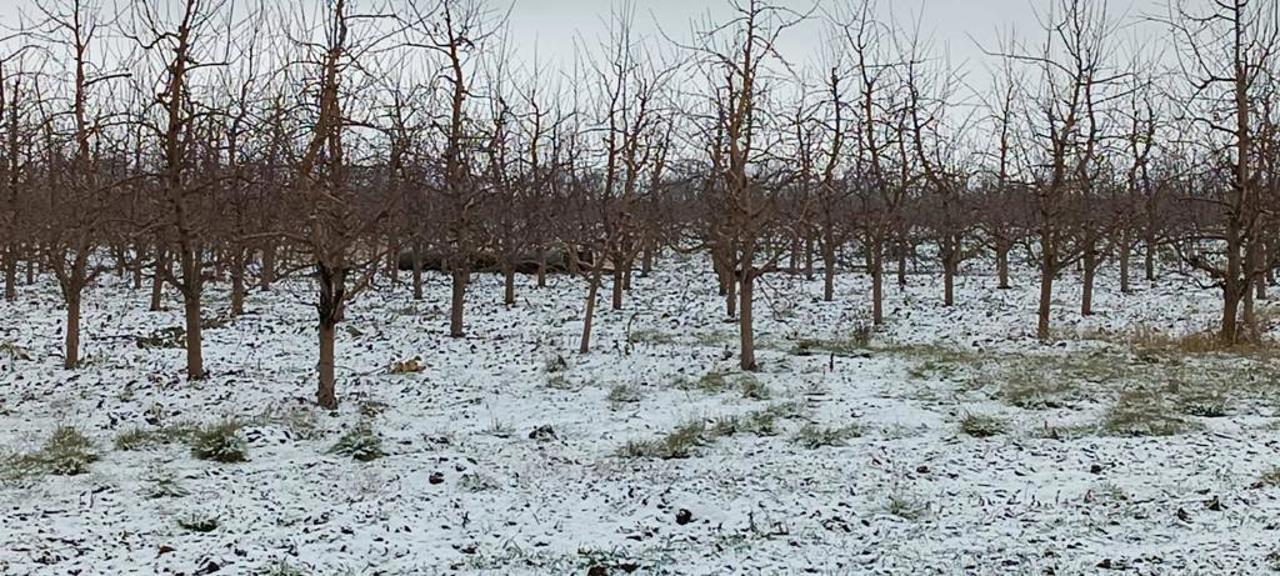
(468, 487)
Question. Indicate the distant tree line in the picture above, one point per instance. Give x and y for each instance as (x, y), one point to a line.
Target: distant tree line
(186, 143)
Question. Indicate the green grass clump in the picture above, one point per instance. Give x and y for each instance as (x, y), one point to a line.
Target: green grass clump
(140, 438)
(713, 381)
(198, 523)
(677, 444)
(361, 443)
(907, 506)
(983, 425)
(625, 394)
(752, 388)
(67, 452)
(1037, 390)
(220, 442)
(1145, 413)
(813, 436)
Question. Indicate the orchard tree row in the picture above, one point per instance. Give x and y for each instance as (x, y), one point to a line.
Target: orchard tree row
(179, 143)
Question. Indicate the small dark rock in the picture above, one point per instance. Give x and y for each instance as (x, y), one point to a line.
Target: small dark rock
(543, 433)
(684, 516)
(598, 570)
(436, 477)
(1095, 469)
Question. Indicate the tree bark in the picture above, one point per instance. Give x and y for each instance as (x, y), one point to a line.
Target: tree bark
(237, 282)
(1090, 263)
(828, 271)
(876, 264)
(11, 273)
(458, 300)
(509, 284)
(617, 286)
(588, 315)
(72, 350)
(417, 272)
(1048, 267)
(1002, 264)
(268, 266)
(157, 279)
(746, 333)
(1125, 253)
(902, 264)
(326, 392)
(646, 260)
(808, 259)
(194, 339)
(949, 281)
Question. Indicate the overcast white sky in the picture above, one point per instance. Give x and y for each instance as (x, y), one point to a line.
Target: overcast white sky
(957, 28)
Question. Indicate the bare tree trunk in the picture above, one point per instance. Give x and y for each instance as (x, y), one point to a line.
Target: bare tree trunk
(393, 262)
(417, 271)
(1048, 267)
(219, 258)
(326, 393)
(723, 273)
(808, 259)
(72, 359)
(195, 339)
(1234, 284)
(268, 266)
(828, 271)
(949, 281)
(237, 282)
(1126, 251)
(1090, 262)
(1250, 317)
(460, 275)
(11, 273)
(747, 352)
(509, 284)
(1002, 264)
(1149, 259)
(902, 264)
(157, 279)
(731, 293)
(876, 264)
(646, 260)
(617, 286)
(588, 315)
(1230, 310)
(138, 251)
(1260, 284)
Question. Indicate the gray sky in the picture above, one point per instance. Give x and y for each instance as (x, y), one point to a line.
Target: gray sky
(955, 27)
(550, 29)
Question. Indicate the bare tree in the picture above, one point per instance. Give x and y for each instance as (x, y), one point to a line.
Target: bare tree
(739, 63)
(78, 186)
(338, 222)
(1227, 52)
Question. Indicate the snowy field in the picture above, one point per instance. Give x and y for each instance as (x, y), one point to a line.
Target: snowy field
(952, 443)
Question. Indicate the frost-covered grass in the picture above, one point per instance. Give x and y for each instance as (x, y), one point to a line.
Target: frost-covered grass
(948, 441)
